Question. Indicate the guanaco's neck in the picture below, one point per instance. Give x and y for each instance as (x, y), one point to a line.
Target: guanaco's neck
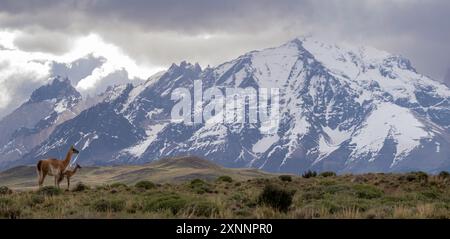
(74, 171)
(70, 173)
(68, 157)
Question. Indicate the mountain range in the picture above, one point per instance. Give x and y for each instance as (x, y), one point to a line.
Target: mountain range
(342, 108)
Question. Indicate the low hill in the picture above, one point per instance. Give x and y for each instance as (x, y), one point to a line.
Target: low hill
(168, 170)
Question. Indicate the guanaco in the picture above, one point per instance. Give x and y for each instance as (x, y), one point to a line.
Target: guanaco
(69, 173)
(54, 167)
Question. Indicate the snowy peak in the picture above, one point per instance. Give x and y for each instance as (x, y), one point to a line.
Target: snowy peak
(342, 108)
(184, 67)
(58, 88)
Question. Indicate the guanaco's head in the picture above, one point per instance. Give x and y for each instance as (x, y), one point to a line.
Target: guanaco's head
(74, 150)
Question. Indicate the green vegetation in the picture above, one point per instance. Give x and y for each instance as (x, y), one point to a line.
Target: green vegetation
(145, 185)
(49, 191)
(5, 190)
(309, 174)
(444, 175)
(80, 187)
(225, 178)
(200, 187)
(109, 205)
(275, 197)
(327, 174)
(285, 178)
(409, 195)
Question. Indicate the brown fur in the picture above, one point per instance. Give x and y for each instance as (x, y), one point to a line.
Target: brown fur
(68, 174)
(54, 167)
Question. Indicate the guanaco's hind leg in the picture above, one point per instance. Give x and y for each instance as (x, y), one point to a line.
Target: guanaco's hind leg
(57, 181)
(68, 183)
(42, 176)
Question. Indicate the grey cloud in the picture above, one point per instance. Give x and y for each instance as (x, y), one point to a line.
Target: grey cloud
(43, 41)
(21, 85)
(148, 30)
(78, 69)
(447, 78)
(3, 48)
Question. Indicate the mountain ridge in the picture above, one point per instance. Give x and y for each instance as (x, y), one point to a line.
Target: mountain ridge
(168, 170)
(342, 109)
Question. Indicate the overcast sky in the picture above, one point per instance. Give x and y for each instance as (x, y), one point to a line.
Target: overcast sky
(147, 36)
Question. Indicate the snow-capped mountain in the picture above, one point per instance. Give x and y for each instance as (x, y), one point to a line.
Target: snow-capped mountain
(342, 108)
(32, 123)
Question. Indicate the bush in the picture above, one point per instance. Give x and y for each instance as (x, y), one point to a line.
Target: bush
(104, 205)
(285, 178)
(312, 195)
(5, 202)
(430, 194)
(80, 187)
(366, 191)
(145, 185)
(5, 190)
(199, 186)
(328, 174)
(8, 209)
(225, 178)
(36, 199)
(309, 174)
(172, 202)
(444, 175)
(275, 197)
(417, 176)
(118, 185)
(49, 191)
(203, 209)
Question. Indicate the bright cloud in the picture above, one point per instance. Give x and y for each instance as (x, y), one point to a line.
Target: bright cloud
(23, 71)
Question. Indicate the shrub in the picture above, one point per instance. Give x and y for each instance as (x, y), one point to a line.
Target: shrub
(196, 182)
(4, 190)
(80, 187)
(225, 178)
(118, 185)
(309, 174)
(444, 175)
(431, 194)
(199, 186)
(366, 191)
(312, 195)
(145, 185)
(328, 174)
(417, 176)
(36, 199)
(104, 205)
(8, 209)
(275, 197)
(285, 178)
(5, 202)
(203, 208)
(172, 202)
(49, 191)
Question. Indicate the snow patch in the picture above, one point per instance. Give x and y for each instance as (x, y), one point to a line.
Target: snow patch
(152, 132)
(264, 144)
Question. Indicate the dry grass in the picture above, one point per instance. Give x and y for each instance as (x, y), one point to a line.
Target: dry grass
(347, 196)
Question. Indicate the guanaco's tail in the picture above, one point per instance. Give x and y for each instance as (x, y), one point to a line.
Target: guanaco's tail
(39, 165)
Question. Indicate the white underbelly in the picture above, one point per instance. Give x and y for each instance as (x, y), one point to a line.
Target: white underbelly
(53, 171)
